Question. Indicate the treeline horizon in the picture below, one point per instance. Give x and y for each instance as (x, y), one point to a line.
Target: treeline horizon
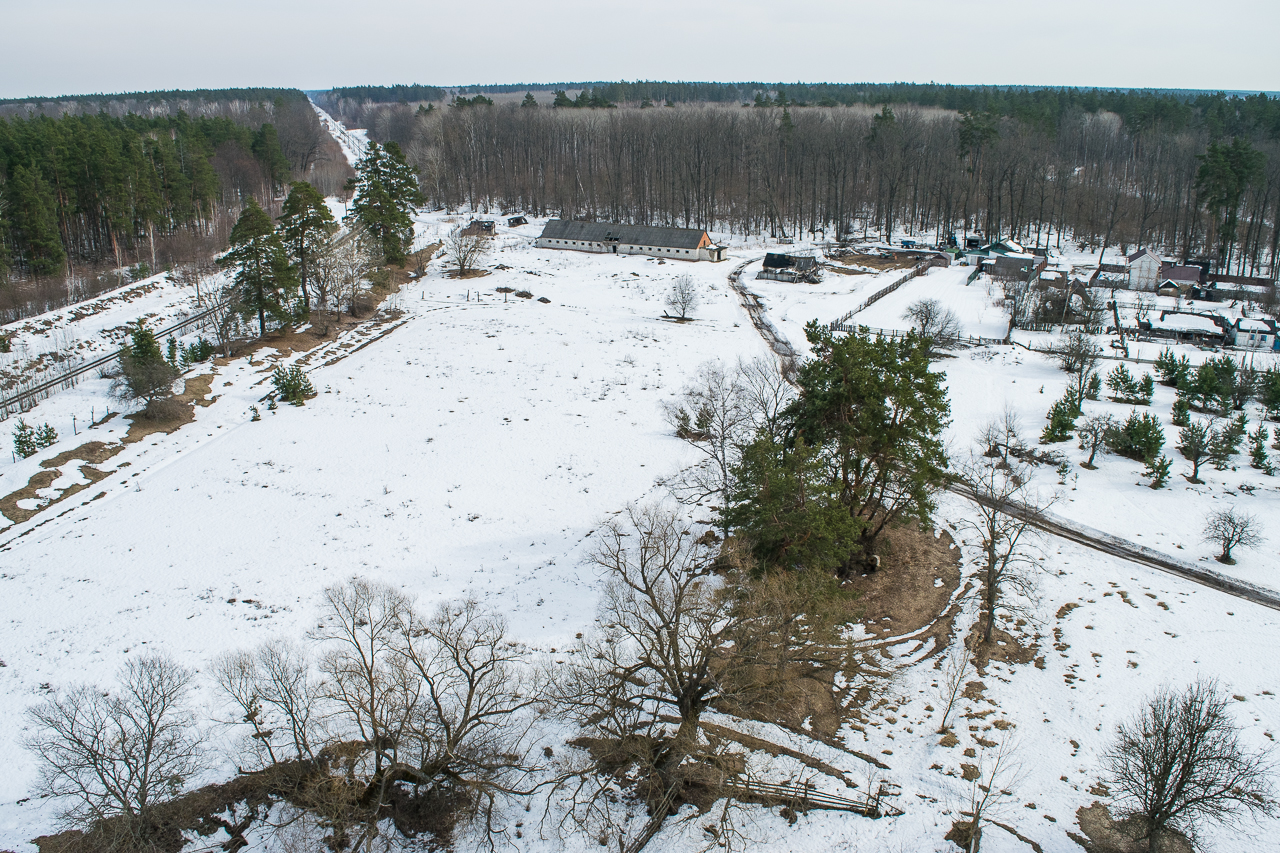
(1195, 179)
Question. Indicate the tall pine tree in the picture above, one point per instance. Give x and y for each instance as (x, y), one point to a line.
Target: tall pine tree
(266, 280)
(386, 192)
(33, 222)
(306, 224)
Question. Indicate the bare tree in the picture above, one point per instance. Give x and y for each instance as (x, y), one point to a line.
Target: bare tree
(998, 775)
(1092, 432)
(466, 739)
(641, 683)
(712, 415)
(1229, 528)
(226, 317)
(354, 258)
(1078, 354)
(466, 251)
(427, 702)
(1005, 508)
(197, 274)
(117, 754)
(767, 394)
(367, 681)
(1002, 438)
(955, 668)
(277, 696)
(934, 320)
(683, 297)
(1179, 764)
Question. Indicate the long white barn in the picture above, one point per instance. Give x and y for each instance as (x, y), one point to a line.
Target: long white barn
(685, 244)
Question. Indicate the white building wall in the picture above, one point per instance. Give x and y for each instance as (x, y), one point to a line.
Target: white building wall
(1144, 273)
(625, 249)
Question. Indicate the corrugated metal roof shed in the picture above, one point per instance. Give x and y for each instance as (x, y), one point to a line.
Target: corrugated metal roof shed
(635, 235)
(800, 263)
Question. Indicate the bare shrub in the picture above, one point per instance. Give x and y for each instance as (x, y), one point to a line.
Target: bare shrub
(116, 755)
(1003, 437)
(1179, 764)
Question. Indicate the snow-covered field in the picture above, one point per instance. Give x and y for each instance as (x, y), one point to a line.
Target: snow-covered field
(471, 448)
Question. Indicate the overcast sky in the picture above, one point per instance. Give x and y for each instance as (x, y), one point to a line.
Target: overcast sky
(55, 47)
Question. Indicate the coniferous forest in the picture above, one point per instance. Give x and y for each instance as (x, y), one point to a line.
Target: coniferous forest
(121, 180)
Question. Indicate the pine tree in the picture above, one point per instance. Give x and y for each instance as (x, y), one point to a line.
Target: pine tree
(1121, 383)
(1181, 411)
(876, 411)
(265, 278)
(1158, 471)
(266, 147)
(386, 192)
(145, 374)
(1194, 441)
(787, 506)
(33, 222)
(1062, 420)
(1226, 442)
(306, 223)
(1259, 457)
(529, 100)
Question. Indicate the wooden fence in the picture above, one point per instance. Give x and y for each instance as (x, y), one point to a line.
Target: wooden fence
(958, 340)
(883, 292)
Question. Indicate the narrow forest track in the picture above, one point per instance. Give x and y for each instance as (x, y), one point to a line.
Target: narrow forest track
(1133, 552)
(1096, 540)
(751, 303)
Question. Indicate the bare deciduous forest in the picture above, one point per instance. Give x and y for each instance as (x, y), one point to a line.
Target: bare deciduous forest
(1194, 176)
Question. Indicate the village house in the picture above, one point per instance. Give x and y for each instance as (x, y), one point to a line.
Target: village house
(1144, 270)
(1186, 326)
(516, 221)
(685, 244)
(780, 267)
(1253, 333)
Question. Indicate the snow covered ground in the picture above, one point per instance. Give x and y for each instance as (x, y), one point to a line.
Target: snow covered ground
(50, 344)
(471, 446)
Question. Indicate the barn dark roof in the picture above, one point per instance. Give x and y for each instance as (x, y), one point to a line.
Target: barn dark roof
(799, 263)
(635, 235)
(1174, 273)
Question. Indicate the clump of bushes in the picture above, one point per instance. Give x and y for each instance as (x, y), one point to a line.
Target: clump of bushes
(292, 385)
(1140, 437)
(1125, 389)
(524, 294)
(29, 440)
